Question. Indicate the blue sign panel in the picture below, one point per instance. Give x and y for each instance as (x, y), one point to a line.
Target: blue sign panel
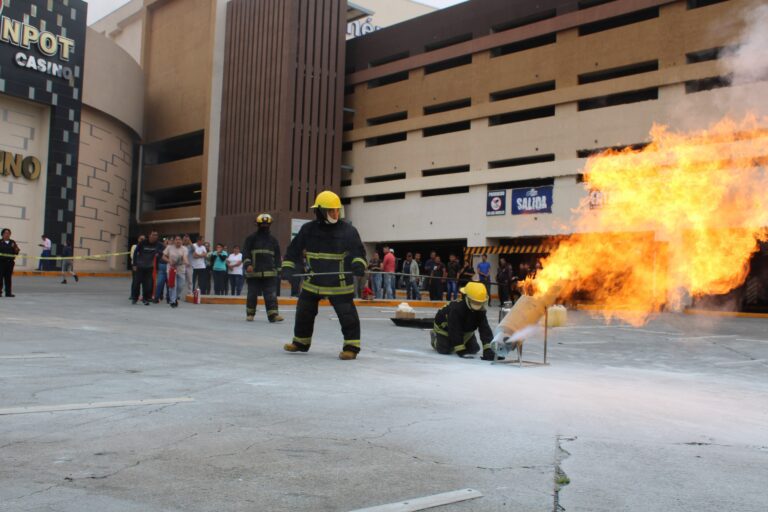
(496, 203)
(532, 200)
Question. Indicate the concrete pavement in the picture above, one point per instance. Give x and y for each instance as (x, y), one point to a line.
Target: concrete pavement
(668, 417)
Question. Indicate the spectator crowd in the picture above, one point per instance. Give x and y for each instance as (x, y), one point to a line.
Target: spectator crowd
(216, 269)
(436, 280)
(174, 266)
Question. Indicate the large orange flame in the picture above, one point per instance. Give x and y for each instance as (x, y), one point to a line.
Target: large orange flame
(682, 215)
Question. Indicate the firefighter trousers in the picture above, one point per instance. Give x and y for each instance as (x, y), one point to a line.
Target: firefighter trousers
(443, 345)
(306, 311)
(261, 286)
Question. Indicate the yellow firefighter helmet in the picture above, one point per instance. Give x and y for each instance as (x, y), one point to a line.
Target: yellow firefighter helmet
(476, 295)
(328, 200)
(264, 218)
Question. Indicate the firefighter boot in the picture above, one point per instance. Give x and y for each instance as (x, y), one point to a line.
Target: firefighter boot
(249, 318)
(348, 353)
(275, 318)
(295, 347)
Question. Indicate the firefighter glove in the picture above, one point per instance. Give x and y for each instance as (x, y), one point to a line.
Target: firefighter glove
(490, 355)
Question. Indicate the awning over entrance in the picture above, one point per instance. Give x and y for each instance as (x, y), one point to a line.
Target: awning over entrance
(543, 248)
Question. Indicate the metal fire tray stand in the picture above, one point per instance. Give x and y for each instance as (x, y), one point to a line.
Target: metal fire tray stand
(519, 349)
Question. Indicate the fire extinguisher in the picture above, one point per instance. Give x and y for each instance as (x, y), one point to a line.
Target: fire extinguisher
(196, 296)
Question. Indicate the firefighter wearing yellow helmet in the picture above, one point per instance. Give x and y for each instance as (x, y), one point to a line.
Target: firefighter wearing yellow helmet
(456, 323)
(334, 252)
(261, 253)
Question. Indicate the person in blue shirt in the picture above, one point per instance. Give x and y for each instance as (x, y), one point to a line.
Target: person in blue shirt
(484, 273)
(219, 267)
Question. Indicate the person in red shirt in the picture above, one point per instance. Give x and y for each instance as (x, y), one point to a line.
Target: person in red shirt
(388, 267)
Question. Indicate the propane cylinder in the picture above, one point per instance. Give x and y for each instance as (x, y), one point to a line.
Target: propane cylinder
(528, 310)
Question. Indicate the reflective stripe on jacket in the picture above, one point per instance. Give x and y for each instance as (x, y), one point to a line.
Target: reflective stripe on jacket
(262, 251)
(328, 248)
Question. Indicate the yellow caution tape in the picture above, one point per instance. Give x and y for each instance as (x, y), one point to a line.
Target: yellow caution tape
(89, 257)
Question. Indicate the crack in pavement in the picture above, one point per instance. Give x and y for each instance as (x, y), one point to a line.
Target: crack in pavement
(174, 443)
(35, 492)
(561, 479)
(102, 477)
(442, 463)
(699, 443)
(238, 452)
(105, 419)
(392, 428)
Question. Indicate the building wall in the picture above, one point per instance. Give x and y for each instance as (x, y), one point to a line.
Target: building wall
(177, 66)
(104, 175)
(24, 130)
(115, 85)
(667, 39)
(177, 48)
(281, 112)
(110, 128)
(129, 38)
(124, 27)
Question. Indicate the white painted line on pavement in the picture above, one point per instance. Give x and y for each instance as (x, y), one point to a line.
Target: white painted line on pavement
(435, 500)
(423, 353)
(32, 356)
(92, 328)
(752, 340)
(92, 405)
(713, 336)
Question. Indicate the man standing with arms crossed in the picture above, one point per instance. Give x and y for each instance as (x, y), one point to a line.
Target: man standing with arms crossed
(334, 252)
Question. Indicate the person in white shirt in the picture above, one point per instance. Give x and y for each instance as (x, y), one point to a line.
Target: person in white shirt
(200, 277)
(235, 271)
(46, 245)
(187, 243)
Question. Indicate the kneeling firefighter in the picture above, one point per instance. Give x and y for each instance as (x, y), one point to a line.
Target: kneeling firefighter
(456, 323)
(334, 252)
(262, 259)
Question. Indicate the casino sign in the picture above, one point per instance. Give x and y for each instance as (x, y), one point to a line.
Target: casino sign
(18, 165)
(51, 46)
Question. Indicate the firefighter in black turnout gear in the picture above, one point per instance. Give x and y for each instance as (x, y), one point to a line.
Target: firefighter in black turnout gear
(332, 247)
(261, 254)
(456, 323)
